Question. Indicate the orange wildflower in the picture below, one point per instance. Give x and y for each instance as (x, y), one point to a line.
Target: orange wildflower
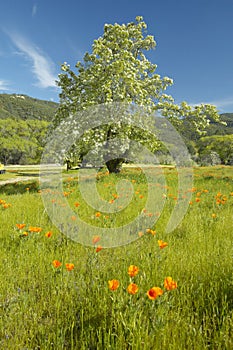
(133, 270)
(169, 284)
(6, 205)
(35, 229)
(162, 244)
(95, 239)
(76, 204)
(197, 199)
(98, 249)
(20, 226)
(113, 284)
(69, 266)
(73, 218)
(98, 214)
(152, 232)
(56, 263)
(132, 288)
(48, 234)
(154, 293)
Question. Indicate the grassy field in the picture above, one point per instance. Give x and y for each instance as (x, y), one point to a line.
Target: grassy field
(57, 294)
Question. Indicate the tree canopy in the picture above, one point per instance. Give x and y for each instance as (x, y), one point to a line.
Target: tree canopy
(117, 71)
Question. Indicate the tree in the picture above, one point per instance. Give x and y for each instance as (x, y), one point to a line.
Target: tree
(22, 141)
(222, 145)
(117, 70)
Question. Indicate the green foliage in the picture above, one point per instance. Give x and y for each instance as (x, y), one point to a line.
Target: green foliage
(22, 141)
(220, 144)
(47, 308)
(24, 123)
(117, 70)
(25, 107)
(219, 128)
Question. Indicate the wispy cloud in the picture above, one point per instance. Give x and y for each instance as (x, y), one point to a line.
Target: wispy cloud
(41, 65)
(4, 85)
(34, 10)
(221, 104)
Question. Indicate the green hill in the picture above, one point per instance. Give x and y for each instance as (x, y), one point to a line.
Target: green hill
(24, 107)
(24, 123)
(219, 129)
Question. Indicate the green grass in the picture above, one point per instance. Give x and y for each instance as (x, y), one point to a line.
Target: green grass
(42, 307)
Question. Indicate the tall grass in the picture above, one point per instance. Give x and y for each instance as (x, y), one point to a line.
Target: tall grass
(44, 307)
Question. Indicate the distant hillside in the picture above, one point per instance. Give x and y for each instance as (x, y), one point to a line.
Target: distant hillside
(24, 107)
(219, 129)
(25, 121)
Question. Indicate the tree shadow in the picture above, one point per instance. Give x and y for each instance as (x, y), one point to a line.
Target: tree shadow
(27, 174)
(19, 188)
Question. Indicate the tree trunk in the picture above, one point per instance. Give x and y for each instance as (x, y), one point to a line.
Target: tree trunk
(114, 165)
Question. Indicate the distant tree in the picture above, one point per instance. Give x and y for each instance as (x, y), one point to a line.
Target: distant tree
(220, 145)
(22, 142)
(117, 70)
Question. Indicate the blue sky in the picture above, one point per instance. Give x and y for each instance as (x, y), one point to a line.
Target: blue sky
(194, 43)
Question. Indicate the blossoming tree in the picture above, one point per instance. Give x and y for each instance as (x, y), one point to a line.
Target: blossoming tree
(117, 70)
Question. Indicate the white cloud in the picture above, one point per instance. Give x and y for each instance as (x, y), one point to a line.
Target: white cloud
(42, 66)
(4, 85)
(221, 104)
(34, 10)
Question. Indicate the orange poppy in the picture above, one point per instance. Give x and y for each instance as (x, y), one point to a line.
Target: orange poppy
(154, 293)
(20, 226)
(56, 263)
(162, 244)
(95, 239)
(132, 288)
(69, 266)
(35, 229)
(113, 284)
(48, 234)
(169, 284)
(133, 270)
(98, 249)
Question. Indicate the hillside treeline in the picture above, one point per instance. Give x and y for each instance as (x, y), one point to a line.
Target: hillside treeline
(24, 124)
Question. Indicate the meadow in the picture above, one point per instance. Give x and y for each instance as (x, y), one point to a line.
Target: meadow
(161, 291)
